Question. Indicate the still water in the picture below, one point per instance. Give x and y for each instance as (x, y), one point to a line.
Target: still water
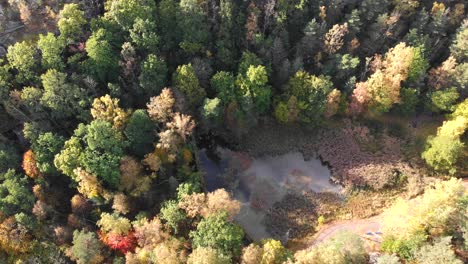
(260, 182)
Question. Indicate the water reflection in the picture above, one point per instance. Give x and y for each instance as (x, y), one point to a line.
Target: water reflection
(261, 182)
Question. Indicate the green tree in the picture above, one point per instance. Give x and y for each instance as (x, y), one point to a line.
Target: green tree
(172, 214)
(404, 247)
(228, 35)
(113, 223)
(46, 252)
(170, 32)
(439, 252)
(64, 99)
(459, 47)
(194, 26)
(51, 50)
(419, 64)
(344, 247)
(68, 158)
(103, 60)
(442, 152)
(372, 8)
(144, 35)
(22, 57)
(86, 248)
(125, 12)
(255, 87)
(444, 100)
(140, 132)
(45, 148)
(27, 220)
(15, 194)
(71, 22)
(5, 80)
(187, 82)
(31, 97)
(248, 59)
(217, 232)
(188, 188)
(406, 6)
(113, 32)
(103, 152)
(281, 112)
(409, 101)
(212, 111)
(347, 65)
(224, 83)
(9, 157)
(153, 75)
(312, 92)
(461, 76)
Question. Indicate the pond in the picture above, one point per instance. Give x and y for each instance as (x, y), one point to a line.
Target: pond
(261, 182)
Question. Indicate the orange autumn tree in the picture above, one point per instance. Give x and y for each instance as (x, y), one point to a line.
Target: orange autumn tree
(29, 165)
(382, 89)
(14, 237)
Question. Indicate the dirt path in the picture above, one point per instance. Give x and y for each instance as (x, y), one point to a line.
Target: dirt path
(368, 229)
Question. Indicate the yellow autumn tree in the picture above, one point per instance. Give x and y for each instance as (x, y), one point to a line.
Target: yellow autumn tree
(252, 254)
(113, 223)
(89, 185)
(438, 211)
(210, 204)
(333, 103)
(461, 109)
(383, 86)
(107, 108)
(453, 128)
(446, 149)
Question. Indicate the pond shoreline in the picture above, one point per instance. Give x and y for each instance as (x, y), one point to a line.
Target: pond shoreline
(273, 140)
(264, 213)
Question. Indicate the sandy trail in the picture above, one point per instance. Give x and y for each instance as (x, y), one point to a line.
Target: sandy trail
(368, 229)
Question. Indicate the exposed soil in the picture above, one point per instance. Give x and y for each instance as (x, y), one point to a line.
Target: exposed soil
(369, 229)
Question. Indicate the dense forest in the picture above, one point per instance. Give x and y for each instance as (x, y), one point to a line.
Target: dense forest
(107, 105)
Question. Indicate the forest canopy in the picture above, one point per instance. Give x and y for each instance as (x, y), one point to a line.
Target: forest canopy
(106, 105)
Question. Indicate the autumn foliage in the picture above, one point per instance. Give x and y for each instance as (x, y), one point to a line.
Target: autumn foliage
(29, 164)
(121, 243)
